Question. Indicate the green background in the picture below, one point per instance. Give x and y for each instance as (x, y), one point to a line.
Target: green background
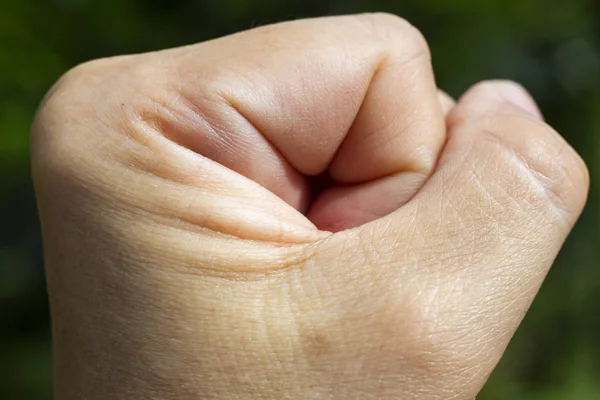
(552, 46)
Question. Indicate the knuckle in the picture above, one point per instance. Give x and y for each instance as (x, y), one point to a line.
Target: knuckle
(58, 107)
(59, 95)
(386, 21)
(71, 93)
(391, 27)
(542, 160)
(378, 19)
(67, 119)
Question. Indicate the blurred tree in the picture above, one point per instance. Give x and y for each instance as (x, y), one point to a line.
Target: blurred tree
(552, 46)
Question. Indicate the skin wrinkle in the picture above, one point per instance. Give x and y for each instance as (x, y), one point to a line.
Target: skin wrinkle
(509, 115)
(181, 217)
(227, 139)
(303, 204)
(213, 130)
(280, 259)
(482, 184)
(247, 113)
(534, 175)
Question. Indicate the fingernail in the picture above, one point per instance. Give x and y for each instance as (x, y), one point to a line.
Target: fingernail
(517, 95)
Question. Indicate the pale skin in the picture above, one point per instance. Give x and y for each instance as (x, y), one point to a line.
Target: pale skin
(189, 255)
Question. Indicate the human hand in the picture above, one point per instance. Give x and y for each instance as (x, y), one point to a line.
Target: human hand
(190, 255)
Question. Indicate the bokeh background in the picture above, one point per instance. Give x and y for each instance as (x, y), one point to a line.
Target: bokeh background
(551, 46)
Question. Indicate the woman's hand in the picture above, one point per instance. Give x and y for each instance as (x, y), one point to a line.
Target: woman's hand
(293, 212)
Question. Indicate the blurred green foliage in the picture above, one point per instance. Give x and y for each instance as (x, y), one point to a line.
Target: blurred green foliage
(552, 46)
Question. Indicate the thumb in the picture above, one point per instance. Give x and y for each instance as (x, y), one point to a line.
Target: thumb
(455, 270)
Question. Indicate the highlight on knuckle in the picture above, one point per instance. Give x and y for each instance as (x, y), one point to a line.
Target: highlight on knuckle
(56, 111)
(393, 28)
(73, 95)
(71, 122)
(60, 95)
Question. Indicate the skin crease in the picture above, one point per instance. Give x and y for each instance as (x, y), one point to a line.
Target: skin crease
(191, 255)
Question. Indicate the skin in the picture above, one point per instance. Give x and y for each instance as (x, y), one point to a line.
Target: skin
(293, 212)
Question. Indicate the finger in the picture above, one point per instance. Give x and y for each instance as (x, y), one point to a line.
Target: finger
(353, 94)
(344, 207)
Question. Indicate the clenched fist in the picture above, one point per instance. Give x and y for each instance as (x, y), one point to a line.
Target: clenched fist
(293, 212)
